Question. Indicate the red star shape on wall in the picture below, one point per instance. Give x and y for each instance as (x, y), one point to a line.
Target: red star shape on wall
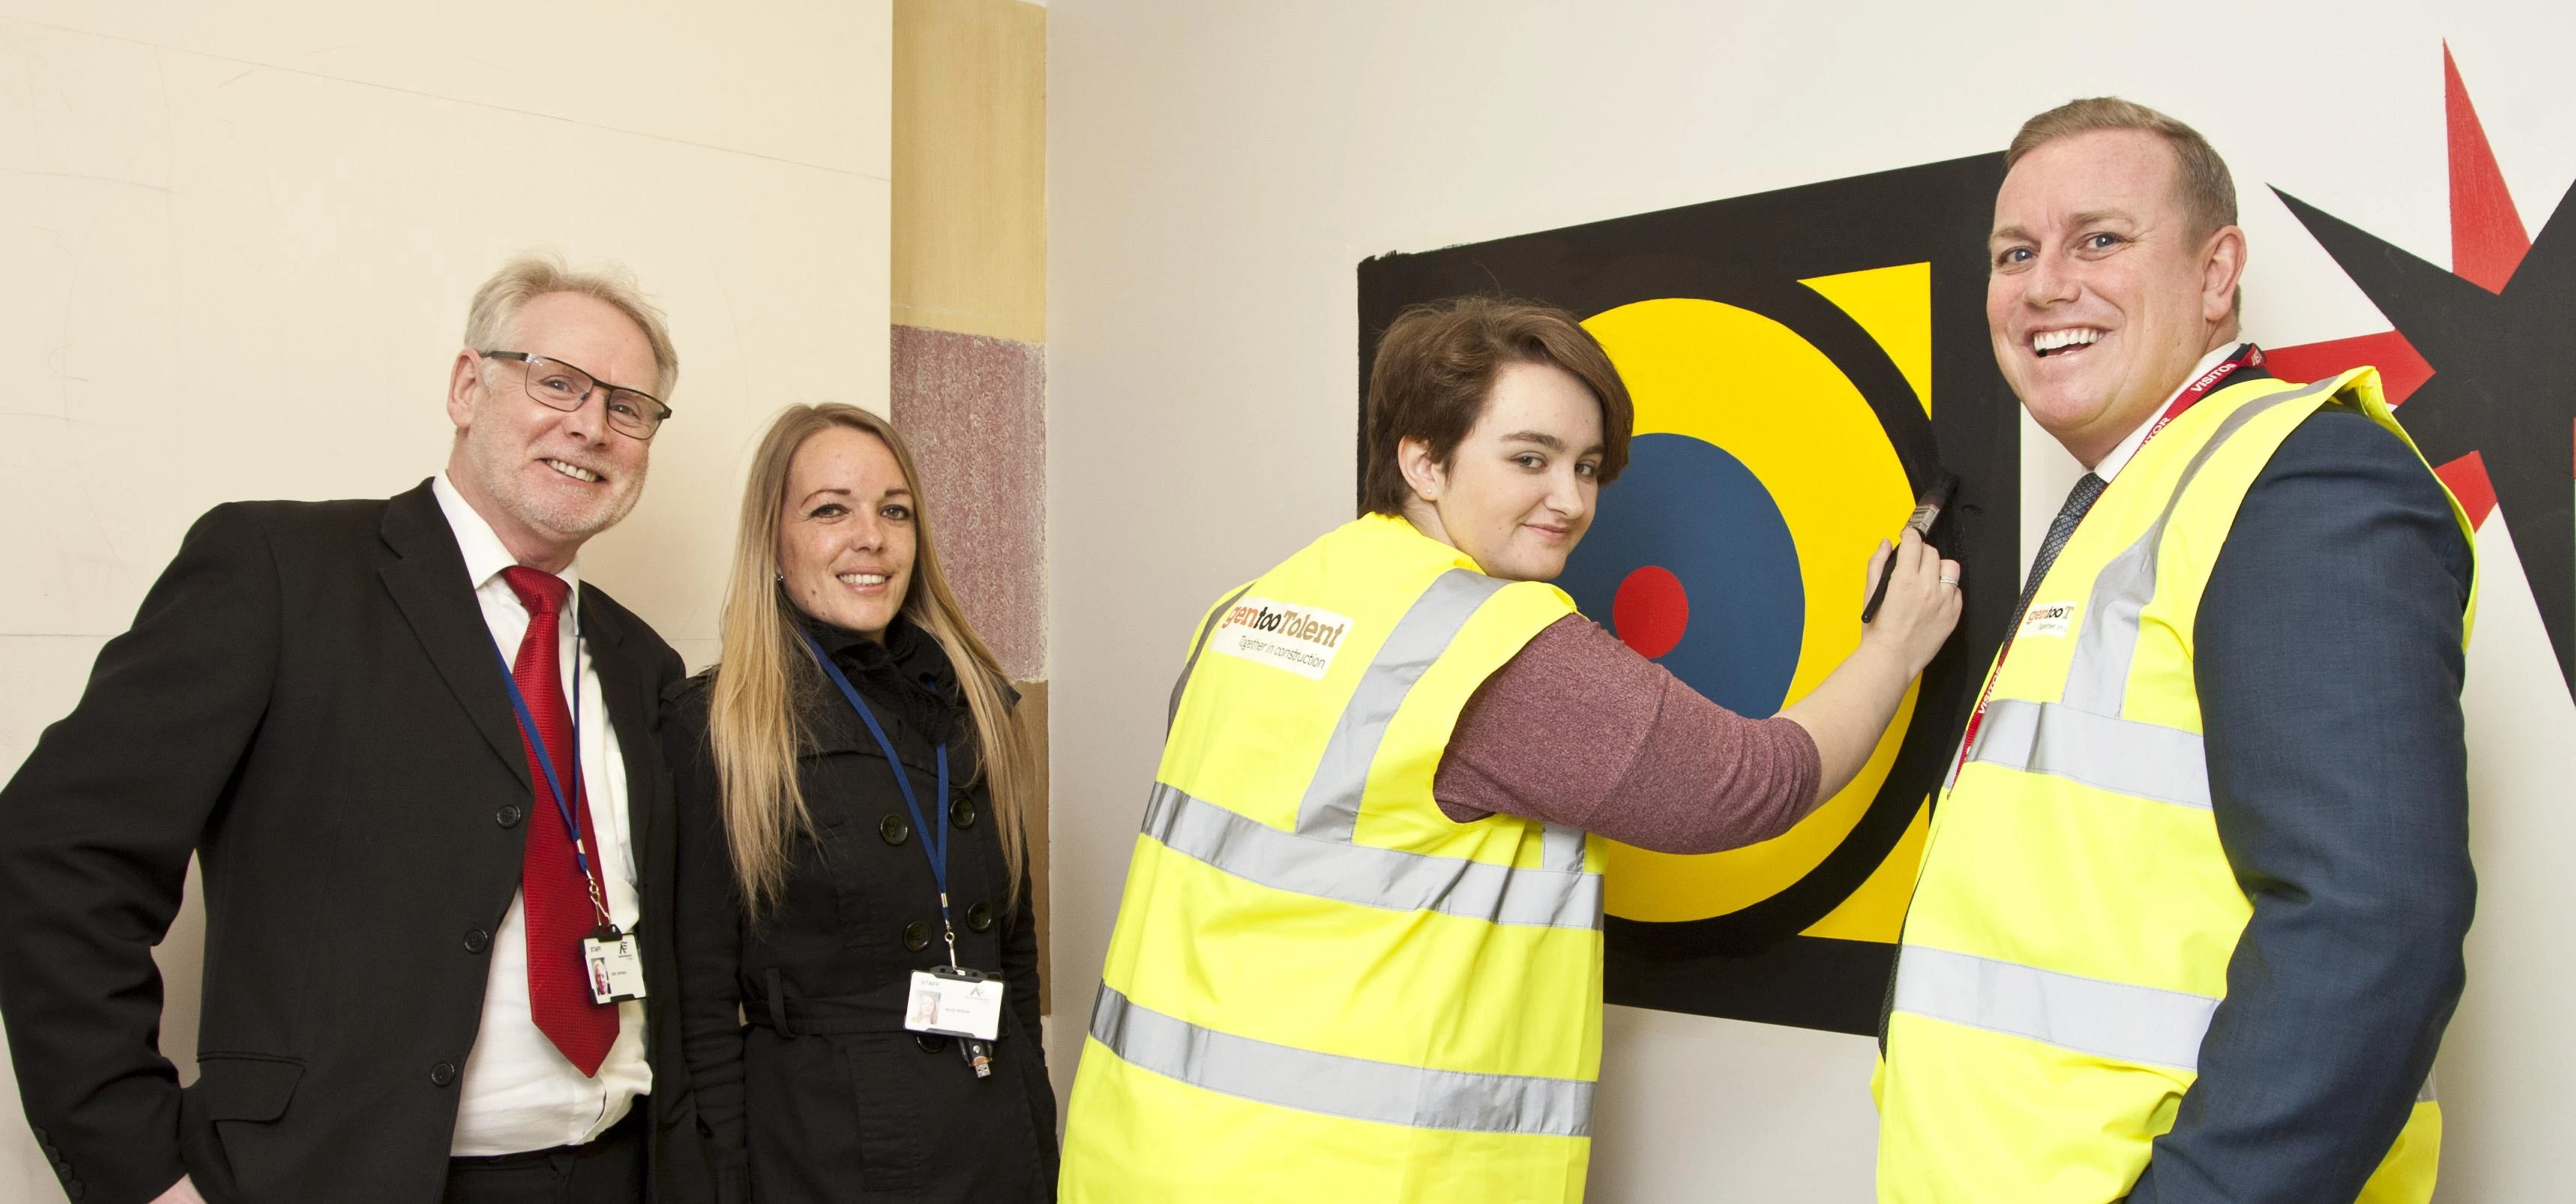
(2483, 357)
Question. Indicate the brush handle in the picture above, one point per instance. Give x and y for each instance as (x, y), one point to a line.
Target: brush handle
(1926, 512)
(1879, 594)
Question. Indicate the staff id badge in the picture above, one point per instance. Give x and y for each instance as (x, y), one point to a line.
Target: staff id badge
(955, 1003)
(616, 966)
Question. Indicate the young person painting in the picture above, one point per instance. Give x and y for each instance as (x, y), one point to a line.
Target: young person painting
(1359, 955)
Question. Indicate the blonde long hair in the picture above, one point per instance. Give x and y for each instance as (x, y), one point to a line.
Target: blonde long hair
(752, 721)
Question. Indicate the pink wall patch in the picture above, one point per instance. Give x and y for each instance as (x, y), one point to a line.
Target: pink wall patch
(974, 410)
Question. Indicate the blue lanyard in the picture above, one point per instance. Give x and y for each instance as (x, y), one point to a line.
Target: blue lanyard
(936, 851)
(546, 762)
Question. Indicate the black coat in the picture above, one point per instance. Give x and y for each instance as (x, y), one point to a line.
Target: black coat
(310, 701)
(825, 1096)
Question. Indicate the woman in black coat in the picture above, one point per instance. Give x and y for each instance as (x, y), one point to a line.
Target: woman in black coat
(808, 896)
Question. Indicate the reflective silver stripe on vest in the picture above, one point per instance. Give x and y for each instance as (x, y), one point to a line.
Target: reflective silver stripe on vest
(1331, 808)
(2123, 756)
(2098, 678)
(1561, 848)
(2087, 1015)
(1336, 1085)
(2084, 738)
(2424, 1094)
(1371, 876)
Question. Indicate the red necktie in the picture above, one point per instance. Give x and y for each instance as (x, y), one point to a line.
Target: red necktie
(558, 907)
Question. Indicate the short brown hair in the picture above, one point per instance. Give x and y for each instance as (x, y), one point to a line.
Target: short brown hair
(2208, 190)
(1437, 363)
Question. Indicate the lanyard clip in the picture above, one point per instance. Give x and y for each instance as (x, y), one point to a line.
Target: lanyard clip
(948, 931)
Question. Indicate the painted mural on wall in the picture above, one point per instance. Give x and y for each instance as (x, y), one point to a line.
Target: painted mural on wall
(1802, 363)
(2482, 363)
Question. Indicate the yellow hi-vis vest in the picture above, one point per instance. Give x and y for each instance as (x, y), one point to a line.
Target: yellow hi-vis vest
(2071, 929)
(1321, 987)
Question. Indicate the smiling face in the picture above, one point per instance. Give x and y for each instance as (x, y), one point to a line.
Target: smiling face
(846, 533)
(2102, 295)
(1518, 492)
(547, 480)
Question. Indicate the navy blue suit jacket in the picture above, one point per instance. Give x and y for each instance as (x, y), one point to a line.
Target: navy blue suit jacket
(2328, 667)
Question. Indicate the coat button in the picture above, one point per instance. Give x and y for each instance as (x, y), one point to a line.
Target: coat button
(509, 815)
(930, 1042)
(477, 940)
(894, 830)
(442, 1074)
(980, 916)
(962, 813)
(916, 935)
(74, 1189)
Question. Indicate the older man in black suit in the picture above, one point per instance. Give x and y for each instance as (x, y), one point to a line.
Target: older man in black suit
(413, 751)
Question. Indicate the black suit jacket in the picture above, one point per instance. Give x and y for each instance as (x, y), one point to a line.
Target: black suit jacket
(2328, 667)
(309, 700)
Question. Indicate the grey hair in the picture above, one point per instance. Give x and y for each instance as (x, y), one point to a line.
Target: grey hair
(536, 273)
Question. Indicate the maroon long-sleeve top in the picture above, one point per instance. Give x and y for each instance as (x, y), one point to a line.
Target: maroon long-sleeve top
(1579, 730)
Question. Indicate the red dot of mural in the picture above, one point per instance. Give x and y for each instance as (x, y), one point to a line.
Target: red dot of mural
(1650, 611)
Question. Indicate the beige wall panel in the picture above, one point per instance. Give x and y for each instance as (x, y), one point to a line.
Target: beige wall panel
(800, 80)
(970, 167)
(209, 307)
(45, 674)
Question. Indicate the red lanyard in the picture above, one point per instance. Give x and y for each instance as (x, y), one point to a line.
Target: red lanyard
(2247, 356)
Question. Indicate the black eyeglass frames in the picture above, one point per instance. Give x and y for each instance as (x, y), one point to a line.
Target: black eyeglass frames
(561, 386)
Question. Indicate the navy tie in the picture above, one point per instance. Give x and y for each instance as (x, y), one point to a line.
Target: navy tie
(2060, 529)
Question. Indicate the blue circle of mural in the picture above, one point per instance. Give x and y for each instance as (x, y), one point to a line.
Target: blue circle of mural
(1696, 512)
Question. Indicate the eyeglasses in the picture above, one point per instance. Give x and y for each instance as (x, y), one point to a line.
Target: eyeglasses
(564, 387)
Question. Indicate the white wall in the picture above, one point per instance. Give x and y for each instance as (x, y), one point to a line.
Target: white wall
(1218, 170)
(237, 239)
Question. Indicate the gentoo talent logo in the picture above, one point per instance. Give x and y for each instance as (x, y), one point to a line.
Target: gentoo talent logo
(1300, 639)
(2047, 618)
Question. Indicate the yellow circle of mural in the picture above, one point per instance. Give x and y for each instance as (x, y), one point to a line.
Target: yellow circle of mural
(1747, 384)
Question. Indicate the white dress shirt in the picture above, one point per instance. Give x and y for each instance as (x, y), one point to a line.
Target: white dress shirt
(2126, 449)
(519, 1092)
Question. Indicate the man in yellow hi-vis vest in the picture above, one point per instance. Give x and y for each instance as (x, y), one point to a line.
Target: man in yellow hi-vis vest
(2189, 923)
(1359, 955)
